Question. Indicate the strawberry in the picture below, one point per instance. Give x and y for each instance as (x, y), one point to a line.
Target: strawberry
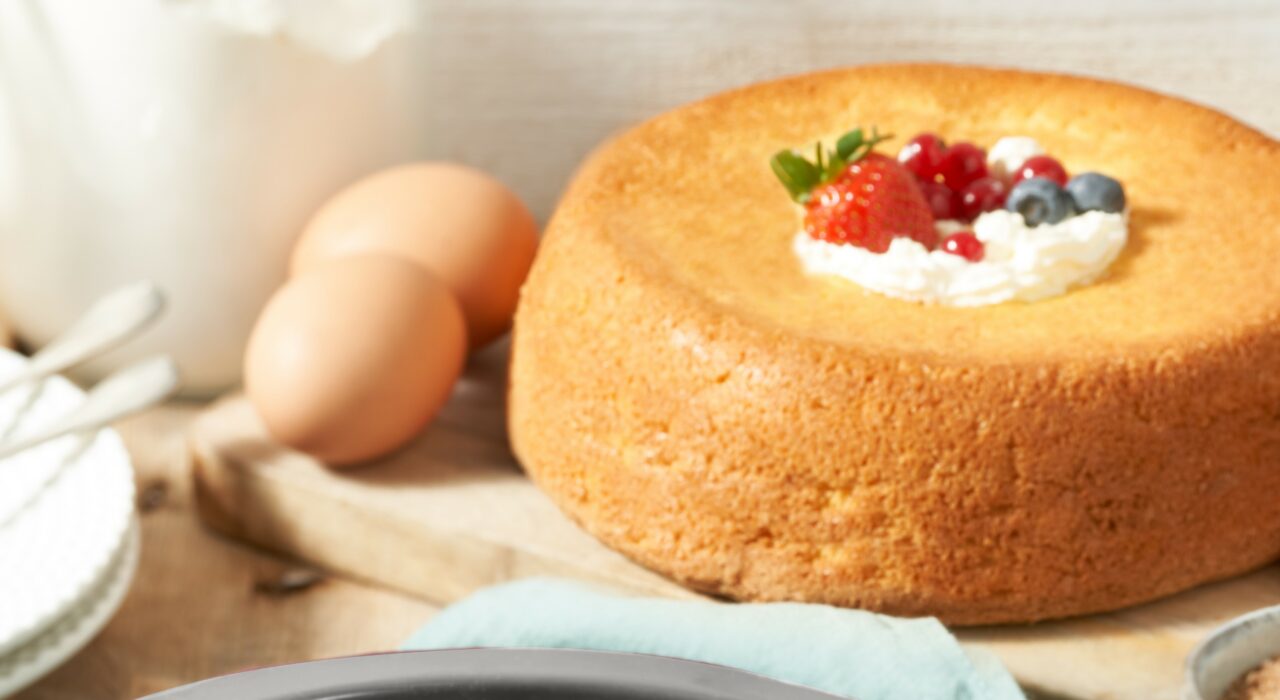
(872, 201)
(853, 195)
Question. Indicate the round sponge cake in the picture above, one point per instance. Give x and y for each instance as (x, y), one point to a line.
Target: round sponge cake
(685, 391)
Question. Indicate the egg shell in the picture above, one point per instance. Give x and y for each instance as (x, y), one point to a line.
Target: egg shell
(354, 358)
(458, 222)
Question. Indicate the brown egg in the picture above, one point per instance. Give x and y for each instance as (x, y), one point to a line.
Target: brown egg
(463, 225)
(351, 360)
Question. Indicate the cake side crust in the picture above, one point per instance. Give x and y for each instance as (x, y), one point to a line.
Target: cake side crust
(745, 460)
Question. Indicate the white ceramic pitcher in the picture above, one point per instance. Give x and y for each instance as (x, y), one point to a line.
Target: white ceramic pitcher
(187, 142)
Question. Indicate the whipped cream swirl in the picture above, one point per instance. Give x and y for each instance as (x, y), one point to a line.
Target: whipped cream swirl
(1021, 263)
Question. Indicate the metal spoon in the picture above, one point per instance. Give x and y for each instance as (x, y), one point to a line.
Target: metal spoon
(121, 394)
(110, 321)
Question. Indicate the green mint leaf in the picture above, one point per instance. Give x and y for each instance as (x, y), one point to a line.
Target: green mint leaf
(849, 143)
(796, 173)
(800, 175)
(835, 165)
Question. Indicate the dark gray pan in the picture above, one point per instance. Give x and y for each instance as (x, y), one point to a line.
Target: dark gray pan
(495, 674)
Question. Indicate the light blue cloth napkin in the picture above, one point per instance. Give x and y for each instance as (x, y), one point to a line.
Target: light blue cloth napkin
(846, 652)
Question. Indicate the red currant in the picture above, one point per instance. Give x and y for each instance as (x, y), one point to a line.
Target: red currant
(964, 244)
(923, 155)
(962, 164)
(982, 195)
(944, 203)
(1042, 166)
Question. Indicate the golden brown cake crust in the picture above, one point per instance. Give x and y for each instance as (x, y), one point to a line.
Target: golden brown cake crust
(681, 388)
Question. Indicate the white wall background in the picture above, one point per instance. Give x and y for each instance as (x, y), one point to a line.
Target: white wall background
(526, 87)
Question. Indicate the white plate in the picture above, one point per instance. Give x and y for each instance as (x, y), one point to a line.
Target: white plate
(65, 508)
(73, 630)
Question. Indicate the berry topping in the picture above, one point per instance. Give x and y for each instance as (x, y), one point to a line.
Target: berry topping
(923, 155)
(981, 196)
(869, 204)
(853, 195)
(1040, 201)
(962, 164)
(1041, 166)
(944, 203)
(964, 244)
(1009, 153)
(1096, 192)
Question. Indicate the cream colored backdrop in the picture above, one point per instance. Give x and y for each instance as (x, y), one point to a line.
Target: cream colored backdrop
(526, 87)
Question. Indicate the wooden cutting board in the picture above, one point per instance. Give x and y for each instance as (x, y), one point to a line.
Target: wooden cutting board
(453, 513)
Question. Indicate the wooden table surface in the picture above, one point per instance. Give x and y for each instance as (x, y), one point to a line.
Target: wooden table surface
(202, 605)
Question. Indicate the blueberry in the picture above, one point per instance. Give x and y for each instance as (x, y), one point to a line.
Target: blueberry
(1092, 191)
(1040, 201)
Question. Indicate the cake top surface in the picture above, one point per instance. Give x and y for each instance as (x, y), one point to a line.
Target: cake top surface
(690, 196)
